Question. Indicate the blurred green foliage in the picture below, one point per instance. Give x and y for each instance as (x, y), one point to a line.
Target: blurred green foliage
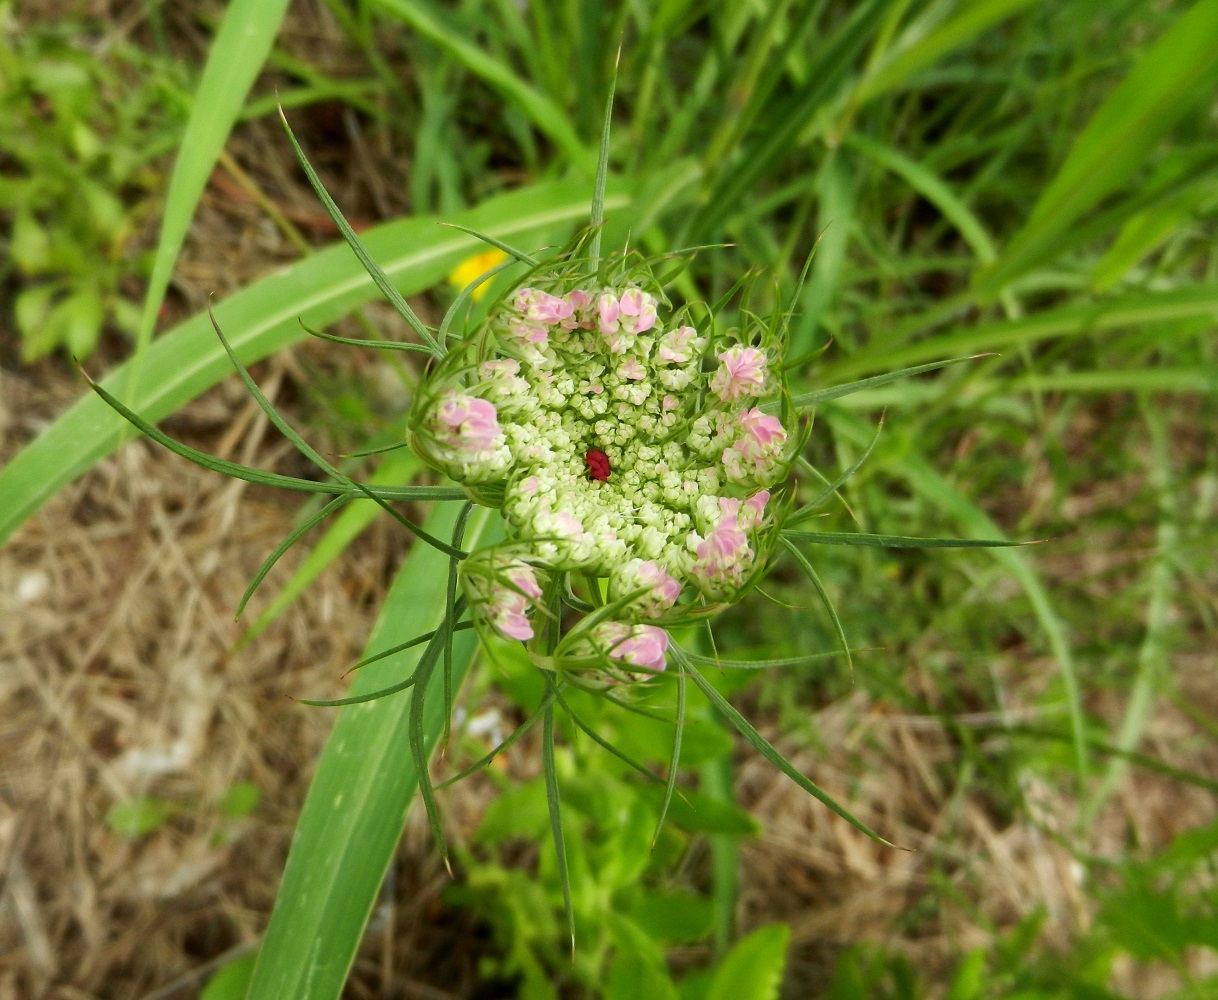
(86, 120)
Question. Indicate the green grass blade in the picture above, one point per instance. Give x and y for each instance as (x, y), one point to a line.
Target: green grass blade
(894, 541)
(1143, 307)
(1153, 660)
(547, 116)
(598, 739)
(552, 800)
(289, 540)
(739, 175)
(767, 750)
(400, 467)
(823, 593)
(808, 510)
(807, 399)
(263, 318)
(926, 481)
(602, 168)
(357, 804)
(507, 744)
(934, 189)
(507, 248)
(904, 60)
(234, 61)
(395, 298)
(1172, 76)
(311, 453)
(674, 763)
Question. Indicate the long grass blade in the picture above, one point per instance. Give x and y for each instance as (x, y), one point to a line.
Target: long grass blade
(895, 541)
(234, 60)
(674, 763)
(552, 799)
(394, 297)
(1176, 73)
(356, 806)
(767, 750)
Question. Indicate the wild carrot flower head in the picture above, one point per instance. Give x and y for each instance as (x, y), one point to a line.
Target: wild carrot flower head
(624, 441)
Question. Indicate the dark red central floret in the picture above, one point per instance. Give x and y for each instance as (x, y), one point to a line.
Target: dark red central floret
(598, 465)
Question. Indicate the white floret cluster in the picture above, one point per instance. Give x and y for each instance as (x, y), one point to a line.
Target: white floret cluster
(619, 447)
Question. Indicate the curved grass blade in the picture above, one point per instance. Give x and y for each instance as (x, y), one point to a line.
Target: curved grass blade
(674, 764)
(349, 525)
(934, 189)
(896, 541)
(600, 741)
(181, 364)
(1137, 308)
(234, 60)
(465, 295)
(770, 663)
(1170, 78)
(930, 484)
(552, 800)
(517, 733)
(549, 118)
(1154, 653)
(418, 640)
(235, 470)
(486, 238)
(417, 734)
(602, 165)
(357, 804)
(289, 540)
(311, 453)
(767, 750)
(806, 399)
(359, 699)
(823, 593)
(929, 44)
(808, 510)
(379, 345)
(369, 263)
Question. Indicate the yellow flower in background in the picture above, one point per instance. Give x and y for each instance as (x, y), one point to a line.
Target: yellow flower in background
(474, 267)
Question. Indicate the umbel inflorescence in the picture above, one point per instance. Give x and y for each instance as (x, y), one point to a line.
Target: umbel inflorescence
(631, 447)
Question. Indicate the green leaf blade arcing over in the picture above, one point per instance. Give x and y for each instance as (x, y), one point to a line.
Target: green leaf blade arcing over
(359, 797)
(265, 317)
(1176, 72)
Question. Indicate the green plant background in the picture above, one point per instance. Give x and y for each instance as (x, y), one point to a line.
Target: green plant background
(1034, 184)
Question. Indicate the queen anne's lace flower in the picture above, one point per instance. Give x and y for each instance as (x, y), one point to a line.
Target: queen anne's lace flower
(620, 446)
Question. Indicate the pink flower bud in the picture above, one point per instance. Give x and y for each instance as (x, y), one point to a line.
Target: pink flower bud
(579, 299)
(640, 308)
(607, 310)
(471, 424)
(680, 345)
(550, 309)
(631, 369)
(742, 372)
(640, 646)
